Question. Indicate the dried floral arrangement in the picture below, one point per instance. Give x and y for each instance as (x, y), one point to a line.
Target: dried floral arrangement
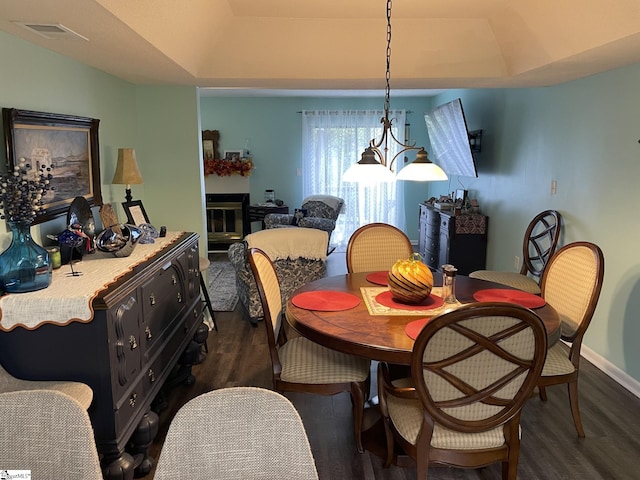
(22, 191)
(225, 168)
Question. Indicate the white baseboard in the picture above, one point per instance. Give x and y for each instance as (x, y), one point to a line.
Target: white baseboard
(612, 371)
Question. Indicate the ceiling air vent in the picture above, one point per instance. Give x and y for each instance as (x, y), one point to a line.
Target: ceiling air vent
(51, 31)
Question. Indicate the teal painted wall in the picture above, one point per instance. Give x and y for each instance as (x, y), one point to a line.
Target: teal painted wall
(161, 123)
(274, 128)
(583, 134)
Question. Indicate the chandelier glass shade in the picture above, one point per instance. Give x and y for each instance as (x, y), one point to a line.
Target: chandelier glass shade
(374, 164)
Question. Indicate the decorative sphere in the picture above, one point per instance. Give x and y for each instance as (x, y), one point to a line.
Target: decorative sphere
(410, 281)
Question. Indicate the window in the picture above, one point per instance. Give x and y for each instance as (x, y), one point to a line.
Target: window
(332, 141)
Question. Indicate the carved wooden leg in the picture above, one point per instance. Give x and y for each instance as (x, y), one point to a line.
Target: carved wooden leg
(117, 466)
(200, 337)
(141, 440)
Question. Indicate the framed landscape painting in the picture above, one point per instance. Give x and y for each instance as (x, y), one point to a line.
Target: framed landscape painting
(68, 144)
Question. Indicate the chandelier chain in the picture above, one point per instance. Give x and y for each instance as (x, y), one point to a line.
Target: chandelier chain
(387, 103)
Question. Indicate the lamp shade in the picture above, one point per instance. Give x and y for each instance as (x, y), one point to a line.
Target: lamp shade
(368, 170)
(422, 170)
(127, 172)
(368, 174)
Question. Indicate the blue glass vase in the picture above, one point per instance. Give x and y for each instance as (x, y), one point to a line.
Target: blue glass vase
(25, 266)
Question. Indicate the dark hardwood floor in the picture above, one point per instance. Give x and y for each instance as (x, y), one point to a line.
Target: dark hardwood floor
(238, 356)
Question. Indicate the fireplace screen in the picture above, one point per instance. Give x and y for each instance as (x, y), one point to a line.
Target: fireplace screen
(227, 220)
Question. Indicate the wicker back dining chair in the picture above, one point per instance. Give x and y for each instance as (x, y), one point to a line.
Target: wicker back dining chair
(376, 247)
(472, 370)
(571, 284)
(539, 244)
(300, 365)
(49, 433)
(236, 433)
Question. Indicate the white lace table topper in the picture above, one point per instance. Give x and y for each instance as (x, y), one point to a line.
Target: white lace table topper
(69, 298)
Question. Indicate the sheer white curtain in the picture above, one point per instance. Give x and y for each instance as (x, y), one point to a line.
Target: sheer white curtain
(332, 141)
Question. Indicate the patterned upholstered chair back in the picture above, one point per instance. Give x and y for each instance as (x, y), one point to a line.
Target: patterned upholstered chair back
(237, 432)
(323, 206)
(376, 247)
(321, 213)
(474, 368)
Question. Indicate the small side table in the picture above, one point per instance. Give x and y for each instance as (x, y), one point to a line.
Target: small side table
(257, 212)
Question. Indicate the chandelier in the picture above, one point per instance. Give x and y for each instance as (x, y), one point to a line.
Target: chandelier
(374, 164)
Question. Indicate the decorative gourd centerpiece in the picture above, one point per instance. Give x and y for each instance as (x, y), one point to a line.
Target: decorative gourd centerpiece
(410, 280)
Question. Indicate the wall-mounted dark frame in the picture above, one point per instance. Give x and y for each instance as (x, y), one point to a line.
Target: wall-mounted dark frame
(135, 212)
(68, 142)
(210, 145)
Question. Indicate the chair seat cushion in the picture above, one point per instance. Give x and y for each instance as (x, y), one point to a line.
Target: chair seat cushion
(557, 362)
(511, 279)
(406, 415)
(304, 361)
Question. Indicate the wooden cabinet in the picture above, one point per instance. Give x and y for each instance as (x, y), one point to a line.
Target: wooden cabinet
(142, 324)
(457, 240)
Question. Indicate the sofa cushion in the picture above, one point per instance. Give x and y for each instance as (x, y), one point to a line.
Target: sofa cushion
(298, 214)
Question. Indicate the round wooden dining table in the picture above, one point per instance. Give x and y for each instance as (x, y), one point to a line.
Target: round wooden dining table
(380, 337)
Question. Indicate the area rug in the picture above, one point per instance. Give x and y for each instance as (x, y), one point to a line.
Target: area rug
(222, 286)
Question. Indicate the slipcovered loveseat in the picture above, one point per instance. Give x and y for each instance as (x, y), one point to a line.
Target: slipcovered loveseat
(298, 254)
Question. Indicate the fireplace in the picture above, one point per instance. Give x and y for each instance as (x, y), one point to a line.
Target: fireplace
(227, 219)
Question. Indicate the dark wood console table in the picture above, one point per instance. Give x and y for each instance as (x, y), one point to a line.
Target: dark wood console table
(138, 329)
(460, 240)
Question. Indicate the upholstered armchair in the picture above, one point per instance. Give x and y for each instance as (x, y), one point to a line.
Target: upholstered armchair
(320, 212)
(298, 254)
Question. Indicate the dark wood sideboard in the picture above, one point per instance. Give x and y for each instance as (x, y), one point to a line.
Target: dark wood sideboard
(136, 341)
(445, 238)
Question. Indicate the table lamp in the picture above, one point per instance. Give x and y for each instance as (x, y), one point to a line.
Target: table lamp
(127, 172)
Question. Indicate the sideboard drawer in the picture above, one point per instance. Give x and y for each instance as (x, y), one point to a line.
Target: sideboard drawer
(171, 343)
(129, 405)
(163, 299)
(125, 343)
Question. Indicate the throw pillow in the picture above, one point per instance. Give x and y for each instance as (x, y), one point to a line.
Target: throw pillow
(298, 213)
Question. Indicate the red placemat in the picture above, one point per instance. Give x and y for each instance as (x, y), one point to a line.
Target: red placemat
(325, 301)
(525, 299)
(378, 278)
(432, 301)
(412, 329)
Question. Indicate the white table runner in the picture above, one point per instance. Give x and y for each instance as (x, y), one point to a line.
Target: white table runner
(69, 298)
